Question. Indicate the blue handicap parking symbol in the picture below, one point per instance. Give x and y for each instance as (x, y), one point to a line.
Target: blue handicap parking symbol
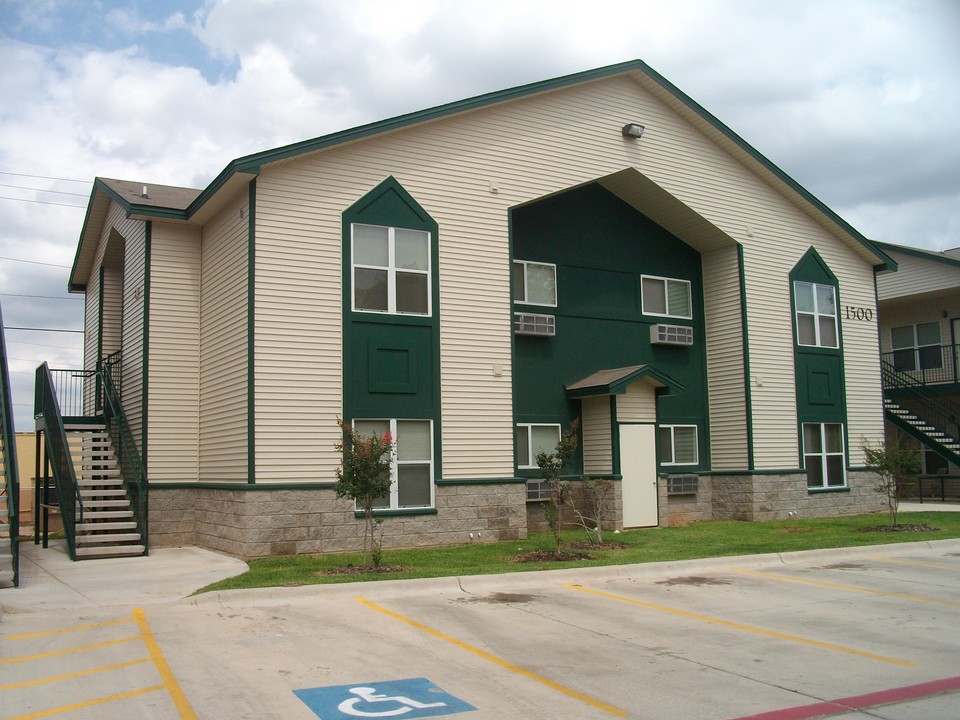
(407, 699)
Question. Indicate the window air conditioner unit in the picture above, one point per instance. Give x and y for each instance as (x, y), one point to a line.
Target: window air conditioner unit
(534, 324)
(682, 484)
(671, 335)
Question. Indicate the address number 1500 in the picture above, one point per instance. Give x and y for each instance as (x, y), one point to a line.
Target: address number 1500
(858, 313)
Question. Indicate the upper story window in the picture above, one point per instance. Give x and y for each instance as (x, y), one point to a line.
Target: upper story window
(391, 270)
(667, 297)
(816, 307)
(534, 283)
(917, 347)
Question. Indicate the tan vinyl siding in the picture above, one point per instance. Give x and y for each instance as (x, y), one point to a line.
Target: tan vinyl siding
(223, 345)
(467, 171)
(725, 361)
(916, 275)
(597, 442)
(904, 312)
(174, 362)
(638, 404)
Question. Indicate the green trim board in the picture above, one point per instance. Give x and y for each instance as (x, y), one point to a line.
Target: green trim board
(251, 332)
(144, 411)
(745, 335)
(480, 481)
(931, 255)
(242, 487)
(398, 512)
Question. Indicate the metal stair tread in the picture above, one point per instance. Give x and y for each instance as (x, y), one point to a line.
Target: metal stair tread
(107, 514)
(110, 551)
(92, 527)
(99, 538)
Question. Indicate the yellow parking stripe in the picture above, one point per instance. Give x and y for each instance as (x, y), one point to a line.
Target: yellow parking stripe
(88, 703)
(77, 628)
(81, 673)
(939, 566)
(169, 680)
(852, 588)
(593, 702)
(746, 628)
(80, 648)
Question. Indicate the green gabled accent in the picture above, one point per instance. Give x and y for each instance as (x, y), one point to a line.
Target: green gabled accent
(747, 387)
(619, 385)
(145, 400)
(251, 306)
(389, 204)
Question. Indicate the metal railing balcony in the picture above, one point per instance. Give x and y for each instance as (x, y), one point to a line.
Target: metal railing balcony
(930, 365)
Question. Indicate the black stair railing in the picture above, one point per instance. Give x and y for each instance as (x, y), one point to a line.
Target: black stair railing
(931, 365)
(125, 445)
(937, 411)
(58, 456)
(8, 448)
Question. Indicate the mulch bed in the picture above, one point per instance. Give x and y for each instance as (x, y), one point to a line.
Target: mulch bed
(900, 528)
(550, 556)
(362, 570)
(596, 546)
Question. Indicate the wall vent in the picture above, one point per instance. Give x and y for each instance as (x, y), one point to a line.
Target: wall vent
(534, 324)
(671, 335)
(682, 484)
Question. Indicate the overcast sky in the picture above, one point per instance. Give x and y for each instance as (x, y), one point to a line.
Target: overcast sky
(857, 100)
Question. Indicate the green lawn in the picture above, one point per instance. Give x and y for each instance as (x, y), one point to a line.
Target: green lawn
(707, 539)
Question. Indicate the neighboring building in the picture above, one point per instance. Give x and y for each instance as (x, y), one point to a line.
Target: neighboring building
(919, 336)
(473, 278)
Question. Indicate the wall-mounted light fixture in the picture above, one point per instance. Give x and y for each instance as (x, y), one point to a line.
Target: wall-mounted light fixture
(632, 130)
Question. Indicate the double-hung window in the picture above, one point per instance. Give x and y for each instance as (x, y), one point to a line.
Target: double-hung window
(411, 467)
(391, 270)
(917, 347)
(678, 445)
(816, 307)
(823, 455)
(535, 438)
(534, 283)
(666, 297)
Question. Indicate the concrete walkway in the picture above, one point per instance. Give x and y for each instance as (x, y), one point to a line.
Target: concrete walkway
(49, 580)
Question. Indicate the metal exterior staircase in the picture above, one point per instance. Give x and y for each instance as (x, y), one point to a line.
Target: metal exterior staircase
(933, 420)
(105, 521)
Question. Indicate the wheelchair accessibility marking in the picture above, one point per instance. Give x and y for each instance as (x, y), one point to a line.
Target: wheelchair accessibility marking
(408, 699)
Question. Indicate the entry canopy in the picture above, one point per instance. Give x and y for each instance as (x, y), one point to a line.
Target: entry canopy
(615, 381)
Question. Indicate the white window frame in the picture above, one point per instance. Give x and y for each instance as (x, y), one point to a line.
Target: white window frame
(915, 348)
(824, 454)
(532, 459)
(673, 445)
(391, 270)
(816, 314)
(395, 463)
(666, 300)
(556, 290)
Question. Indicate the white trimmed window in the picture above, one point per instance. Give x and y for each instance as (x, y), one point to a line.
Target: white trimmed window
(678, 445)
(823, 455)
(391, 270)
(816, 307)
(917, 347)
(533, 438)
(411, 467)
(666, 297)
(534, 283)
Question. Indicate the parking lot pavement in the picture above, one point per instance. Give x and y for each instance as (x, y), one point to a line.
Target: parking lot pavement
(870, 632)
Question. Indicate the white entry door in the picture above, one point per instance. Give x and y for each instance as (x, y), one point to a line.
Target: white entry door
(638, 465)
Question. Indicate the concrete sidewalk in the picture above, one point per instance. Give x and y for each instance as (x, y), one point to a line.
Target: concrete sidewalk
(49, 580)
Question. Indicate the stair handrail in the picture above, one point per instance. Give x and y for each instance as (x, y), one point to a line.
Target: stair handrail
(58, 455)
(938, 411)
(8, 443)
(128, 456)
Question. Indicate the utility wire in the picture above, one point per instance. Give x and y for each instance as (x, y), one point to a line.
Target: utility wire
(33, 189)
(33, 329)
(42, 202)
(46, 177)
(43, 297)
(34, 262)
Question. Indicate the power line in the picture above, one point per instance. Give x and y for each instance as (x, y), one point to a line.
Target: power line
(46, 177)
(33, 189)
(43, 297)
(55, 347)
(42, 202)
(33, 329)
(34, 262)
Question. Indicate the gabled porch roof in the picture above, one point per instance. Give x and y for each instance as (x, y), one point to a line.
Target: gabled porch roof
(614, 381)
